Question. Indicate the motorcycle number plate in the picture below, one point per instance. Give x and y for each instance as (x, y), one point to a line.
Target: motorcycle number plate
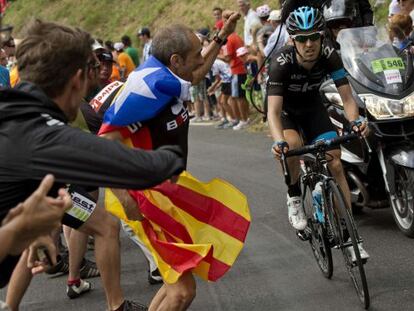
(389, 63)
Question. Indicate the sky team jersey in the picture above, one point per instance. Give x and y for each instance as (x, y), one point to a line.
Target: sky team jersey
(299, 86)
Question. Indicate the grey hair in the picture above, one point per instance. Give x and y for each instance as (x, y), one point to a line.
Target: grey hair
(174, 39)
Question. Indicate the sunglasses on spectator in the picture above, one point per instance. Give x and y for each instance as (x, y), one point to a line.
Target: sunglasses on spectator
(302, 38)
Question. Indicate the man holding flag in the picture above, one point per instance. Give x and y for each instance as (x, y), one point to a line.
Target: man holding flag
(189, 227)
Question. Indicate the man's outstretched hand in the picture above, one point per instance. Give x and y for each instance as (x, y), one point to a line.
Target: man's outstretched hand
(38, 215)
(230, 19)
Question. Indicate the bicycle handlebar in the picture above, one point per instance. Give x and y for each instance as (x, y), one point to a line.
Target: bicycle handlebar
(327, 144)
(322, 144)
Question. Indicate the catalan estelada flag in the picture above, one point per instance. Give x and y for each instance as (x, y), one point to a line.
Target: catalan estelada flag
(148, 90)
(190, 225)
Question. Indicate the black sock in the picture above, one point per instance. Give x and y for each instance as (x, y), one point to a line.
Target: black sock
(294, 190)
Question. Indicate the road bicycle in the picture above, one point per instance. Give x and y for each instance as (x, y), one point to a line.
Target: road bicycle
(330, 222)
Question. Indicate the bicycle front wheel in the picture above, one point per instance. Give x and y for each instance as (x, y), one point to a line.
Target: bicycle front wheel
(342, 221)
(317, 236)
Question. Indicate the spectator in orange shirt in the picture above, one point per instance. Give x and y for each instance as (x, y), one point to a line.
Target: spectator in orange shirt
(126, 65)
(14, 76)
(115, 76)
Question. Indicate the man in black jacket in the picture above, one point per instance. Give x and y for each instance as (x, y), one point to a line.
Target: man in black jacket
(35, 140)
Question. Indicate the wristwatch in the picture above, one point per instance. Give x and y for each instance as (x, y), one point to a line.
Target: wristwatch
(218, 40)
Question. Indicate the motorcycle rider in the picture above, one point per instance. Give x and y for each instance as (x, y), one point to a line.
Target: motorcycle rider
(338, 15)
(295, 105)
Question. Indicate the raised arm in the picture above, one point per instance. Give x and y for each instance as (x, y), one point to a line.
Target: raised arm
(212, 50)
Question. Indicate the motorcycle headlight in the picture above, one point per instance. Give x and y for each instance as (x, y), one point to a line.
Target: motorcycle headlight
(384, 108)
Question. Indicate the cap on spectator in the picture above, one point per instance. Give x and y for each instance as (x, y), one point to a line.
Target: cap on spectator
(144, 31)
(394, 8)
(105, 56)
(96, 46)
(275, 15)
(118, 46)
(242, 51)
(263, 11)
(204, 32)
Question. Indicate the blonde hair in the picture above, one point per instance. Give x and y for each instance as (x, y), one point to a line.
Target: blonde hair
(400, 25)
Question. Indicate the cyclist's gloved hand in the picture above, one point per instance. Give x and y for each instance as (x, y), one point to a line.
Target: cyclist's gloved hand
(278, 147)
(360, 126)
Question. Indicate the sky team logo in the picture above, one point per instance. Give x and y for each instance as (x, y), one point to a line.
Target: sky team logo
(327, 51)
(285, 58)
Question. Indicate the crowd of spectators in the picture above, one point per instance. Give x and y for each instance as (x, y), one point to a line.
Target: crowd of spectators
(219, 95)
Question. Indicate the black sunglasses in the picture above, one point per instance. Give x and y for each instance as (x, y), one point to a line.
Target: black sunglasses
(314, 36)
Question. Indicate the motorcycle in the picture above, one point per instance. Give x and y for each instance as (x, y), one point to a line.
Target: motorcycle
(380, 168)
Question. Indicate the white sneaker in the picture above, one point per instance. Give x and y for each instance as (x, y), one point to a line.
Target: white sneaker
(351, 253)
(196, 120)
(296, 215)
(241, 125)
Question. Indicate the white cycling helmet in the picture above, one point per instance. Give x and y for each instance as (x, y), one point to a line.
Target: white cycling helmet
(263, 11)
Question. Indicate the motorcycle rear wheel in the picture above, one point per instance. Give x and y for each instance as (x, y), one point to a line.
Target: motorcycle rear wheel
(402, 202)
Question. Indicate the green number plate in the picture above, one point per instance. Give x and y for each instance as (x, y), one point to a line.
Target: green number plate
(380, 65)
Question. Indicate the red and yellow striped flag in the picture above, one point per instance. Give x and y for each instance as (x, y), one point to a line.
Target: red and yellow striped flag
(190, 225)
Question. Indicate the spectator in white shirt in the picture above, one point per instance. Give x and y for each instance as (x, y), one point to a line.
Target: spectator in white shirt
(144, 36)
(222, 73)
(251, 21)
(275, 20)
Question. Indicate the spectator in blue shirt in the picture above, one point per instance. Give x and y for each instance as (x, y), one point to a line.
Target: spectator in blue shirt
(4, 72)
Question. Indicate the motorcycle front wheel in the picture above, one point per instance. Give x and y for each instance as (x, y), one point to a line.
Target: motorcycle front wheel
(402, 201)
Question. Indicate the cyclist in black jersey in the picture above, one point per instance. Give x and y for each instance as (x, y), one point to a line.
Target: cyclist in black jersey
(296, 114)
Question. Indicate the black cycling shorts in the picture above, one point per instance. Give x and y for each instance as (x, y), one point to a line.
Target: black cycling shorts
(226, 88)
(310, 124)
(83, 206)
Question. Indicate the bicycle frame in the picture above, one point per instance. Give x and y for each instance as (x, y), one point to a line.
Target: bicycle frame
(317, 172)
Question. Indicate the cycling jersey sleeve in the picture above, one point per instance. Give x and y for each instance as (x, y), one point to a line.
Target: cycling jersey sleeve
(335, 66)
(278, 73)
(77, 157)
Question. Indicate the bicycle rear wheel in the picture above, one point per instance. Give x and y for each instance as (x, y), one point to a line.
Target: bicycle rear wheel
(317, 236)
(355, 269)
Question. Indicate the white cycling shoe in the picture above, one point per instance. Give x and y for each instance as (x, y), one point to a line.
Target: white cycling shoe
(351, 253)
(296, 215)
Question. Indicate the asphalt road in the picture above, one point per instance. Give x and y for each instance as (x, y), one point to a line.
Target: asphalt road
(275, 271)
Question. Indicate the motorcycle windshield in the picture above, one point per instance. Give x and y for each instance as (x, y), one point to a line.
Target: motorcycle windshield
(374, 63)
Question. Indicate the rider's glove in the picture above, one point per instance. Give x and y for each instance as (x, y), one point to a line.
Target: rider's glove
(358, 122)
(280, 144)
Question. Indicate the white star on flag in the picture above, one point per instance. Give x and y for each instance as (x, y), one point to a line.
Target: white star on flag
(136, 84)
